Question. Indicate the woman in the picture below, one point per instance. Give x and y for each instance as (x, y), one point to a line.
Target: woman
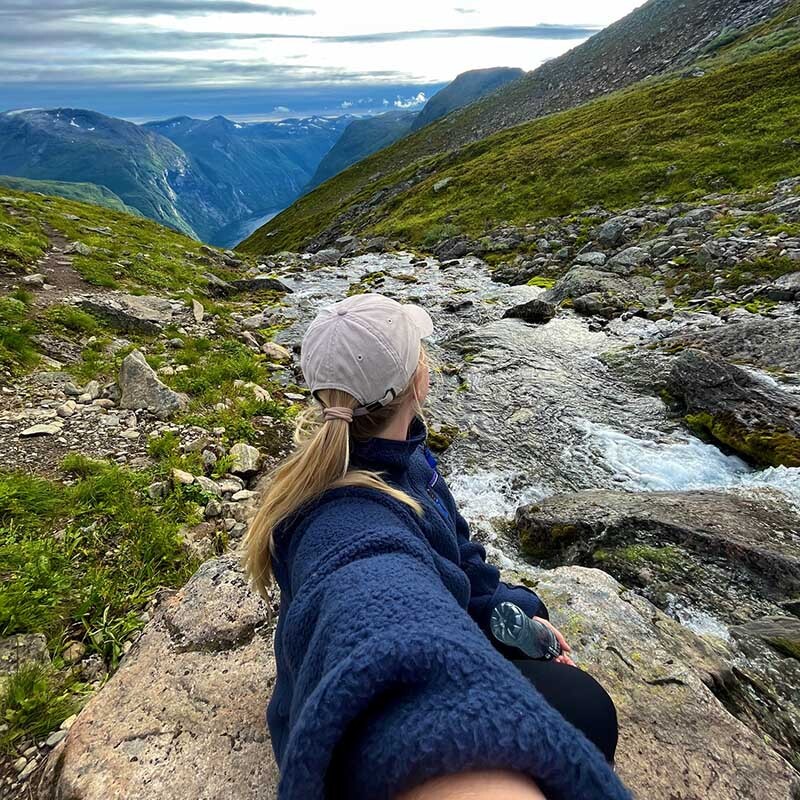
(388, 684)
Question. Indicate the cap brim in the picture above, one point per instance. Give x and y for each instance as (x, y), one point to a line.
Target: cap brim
(421, 319)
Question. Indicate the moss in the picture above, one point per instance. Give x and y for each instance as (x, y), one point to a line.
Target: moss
(763, 446)
(439, 440)
(542, 281)
(791, 647)
(668, 558)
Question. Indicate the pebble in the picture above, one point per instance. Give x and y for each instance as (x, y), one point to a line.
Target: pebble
(55, 737)
(28, 770)
(20, 763)
(244, 494)
(68, 722)
(180, 476)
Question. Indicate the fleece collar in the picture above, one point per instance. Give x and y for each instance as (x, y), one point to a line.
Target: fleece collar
(388, 454)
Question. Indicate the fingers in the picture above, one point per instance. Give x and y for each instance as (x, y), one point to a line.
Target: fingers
(559, 636)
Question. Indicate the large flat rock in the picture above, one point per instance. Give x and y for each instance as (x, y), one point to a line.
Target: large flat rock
(183, 718)
(184, 715)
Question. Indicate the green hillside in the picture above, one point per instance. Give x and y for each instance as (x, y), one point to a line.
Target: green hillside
(723, 129)
(83, 192)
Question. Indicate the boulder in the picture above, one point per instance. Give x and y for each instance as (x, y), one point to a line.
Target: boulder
(246, 459)
(141, 388)
(183, 717)
(731, 556)
(216, 287)
(782, 632)
(759, 341)
(591, 259)
(127, 312)
(614, 291)
(628, 260)
(260, 283)
(752, 416)
(276, 352)
(534, 311)
(612, 232)
(787, 287)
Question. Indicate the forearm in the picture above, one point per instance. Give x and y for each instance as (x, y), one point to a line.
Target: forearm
(494, 785)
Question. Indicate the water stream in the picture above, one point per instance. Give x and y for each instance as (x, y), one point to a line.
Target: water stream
(538, 410)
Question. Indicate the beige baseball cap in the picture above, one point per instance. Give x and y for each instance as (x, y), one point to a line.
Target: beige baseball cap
(367, 345)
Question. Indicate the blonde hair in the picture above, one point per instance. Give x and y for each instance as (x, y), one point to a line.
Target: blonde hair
(319, 462)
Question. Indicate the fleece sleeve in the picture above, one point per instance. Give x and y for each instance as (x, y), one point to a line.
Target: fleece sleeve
(395, 684)
(487, 588)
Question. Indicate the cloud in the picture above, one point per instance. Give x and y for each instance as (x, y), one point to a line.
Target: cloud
(411, 102)
(282, 109)
(346, 104)
(465, 10)
(507, 32)
(137, 8)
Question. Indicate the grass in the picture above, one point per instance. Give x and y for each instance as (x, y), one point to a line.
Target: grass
(139, 255)
(79, 560)
(679, 138)
(84, 192)
(17, 350)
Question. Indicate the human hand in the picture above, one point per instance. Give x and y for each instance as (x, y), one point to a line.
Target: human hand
(565, 648)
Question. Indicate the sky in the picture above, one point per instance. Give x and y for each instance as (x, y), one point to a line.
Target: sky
(248, 59)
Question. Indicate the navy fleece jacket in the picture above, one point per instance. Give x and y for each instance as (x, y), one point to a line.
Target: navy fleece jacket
(386, 676)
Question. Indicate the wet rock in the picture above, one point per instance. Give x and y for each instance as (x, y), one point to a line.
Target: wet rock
(141, 388)
(730, 555)
(752, 416)
(127, 312)
(782, 633)
(765, 343)
(663, 679)
(329, 257)
(535, 311)
(260, 283)
(184, 714)
(246, 459)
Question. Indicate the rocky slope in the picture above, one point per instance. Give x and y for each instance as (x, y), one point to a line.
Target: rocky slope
(661, 37)
(268, 163)
(163, 375)
(465, 89)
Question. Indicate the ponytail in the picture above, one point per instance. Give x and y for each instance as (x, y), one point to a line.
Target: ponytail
(320, 461)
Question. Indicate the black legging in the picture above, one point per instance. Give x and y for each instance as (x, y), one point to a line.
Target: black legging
(579, 698)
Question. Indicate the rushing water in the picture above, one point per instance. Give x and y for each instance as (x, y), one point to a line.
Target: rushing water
(538, 409)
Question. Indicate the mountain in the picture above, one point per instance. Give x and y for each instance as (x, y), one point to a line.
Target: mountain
(393, 189)
(269, 163)
(361, 138)
(465, 89)
(83, 192)
(147, 171)
(366, 136)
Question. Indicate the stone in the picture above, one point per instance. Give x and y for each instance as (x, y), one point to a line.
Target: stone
(276, 352)
(242, 495)
(260, 283)
(20, 763)
(73, 651)
(329, 257)
(55, 737)
(43, 429)
(442, 184)
(21, 650)
(611, 232)
(246, 459)
(182, 477)
(29, 769)
(198, 312)
(754, 417)
(213, 509)
(184, 714)
(216, 287)
(207, 485)
(35, 281)
(618, 293)
(141, 388)
(591, 259)
(627, 261)
(79, 248)
(536, 312)
(125, 312)
(67, 409)
(229, 485)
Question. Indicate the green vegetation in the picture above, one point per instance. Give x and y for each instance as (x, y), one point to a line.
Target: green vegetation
(679, 138)
(666, 558)
(542, 282)
(16, 348)
(79, 560)
(439, 440)
(126, 252)
(35, 701)
(84, 192)
(767, 447)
